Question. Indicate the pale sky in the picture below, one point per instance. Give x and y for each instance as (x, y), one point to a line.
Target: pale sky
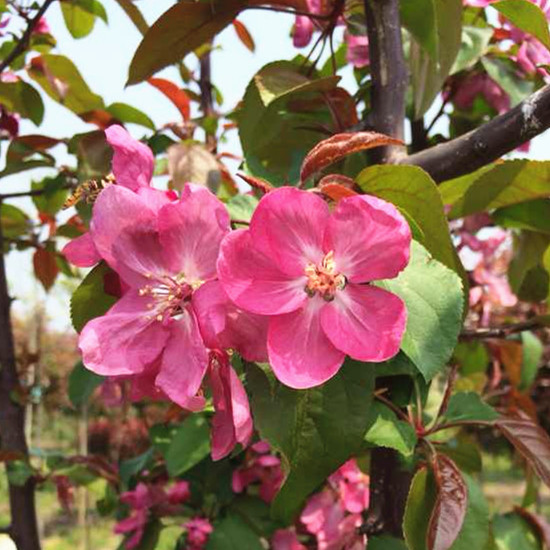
(103, 59)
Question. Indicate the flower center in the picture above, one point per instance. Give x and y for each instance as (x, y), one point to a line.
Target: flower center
(323, 279)
(169, 295)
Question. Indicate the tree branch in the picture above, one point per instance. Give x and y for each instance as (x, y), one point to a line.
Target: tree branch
(23, 528)
(389, 74)
(504, 331)
(23, 42)
(487, 143)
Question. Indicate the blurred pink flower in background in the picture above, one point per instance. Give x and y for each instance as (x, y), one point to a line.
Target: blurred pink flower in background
(198, 532)
(480, 84)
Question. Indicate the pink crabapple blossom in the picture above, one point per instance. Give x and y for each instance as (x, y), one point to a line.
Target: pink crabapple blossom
(308, 270)
(198, 532)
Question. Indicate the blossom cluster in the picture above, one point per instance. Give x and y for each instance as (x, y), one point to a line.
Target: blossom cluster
(293, 289)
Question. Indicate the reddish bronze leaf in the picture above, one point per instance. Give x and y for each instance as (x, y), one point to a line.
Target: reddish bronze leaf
(244, 35)
(342, 107)
(176, 95)
(45, 267)
(450, 505)
(101, 118)
(256, 183)
(339, 146)
(530, 440)
(24, 146)
(337, 187)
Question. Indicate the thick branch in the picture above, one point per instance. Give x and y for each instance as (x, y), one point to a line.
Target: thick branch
(488, 142)
(23, 42)
(389, 74)
(23, 529)
(502, 332)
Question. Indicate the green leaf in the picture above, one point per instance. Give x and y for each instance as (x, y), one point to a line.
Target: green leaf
(528, 271)
(61, 80)
(14, 221)
(532, 350)
(510, 182)
(19, 472)
(504, 72)
(385, 542)
(388, 431)
(316, 430)
(418, 17)
(512, 532)
(420, 503)
(472, 357)
(89, 299)
(280, 109)
(132, 11)
(464, 451)
(132, 466)
(256, 513)
(128, 114)
(433, 296)
(191, 443)
(21, 98)
(93, 153)
(80, 16)
(232, 533)
(54, 195)
(468, 406)
(475, 43)
(178, 31)
(416, 195)
(161, 436)
(82, 383)
(532, 215)
(241, 207)
(429, 74)
(527, 16)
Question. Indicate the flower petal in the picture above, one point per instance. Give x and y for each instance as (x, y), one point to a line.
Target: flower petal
(82, 251)
(365, 322)
(288, 226)
(369, 237)
(253, 281)
(191, 231)
(300, 354)
(133, 161)
(115, 209)
(223, 325)
(124, 340)
(184, 363)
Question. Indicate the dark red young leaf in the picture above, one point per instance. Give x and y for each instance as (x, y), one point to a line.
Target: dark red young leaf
(176, 95)
(24, 146)
(450, 505)
(337, 187)
(339, 146)
(530, 440)
(539, 523)
(45, 267)
(244, 35)
(101, 118)
(256, 183)
(342, 107)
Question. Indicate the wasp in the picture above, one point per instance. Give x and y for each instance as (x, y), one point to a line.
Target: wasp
(88, 191)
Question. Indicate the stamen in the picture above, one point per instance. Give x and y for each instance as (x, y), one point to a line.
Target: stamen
(323, 278)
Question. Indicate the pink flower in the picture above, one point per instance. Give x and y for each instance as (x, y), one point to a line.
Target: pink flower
(307, 269)
(352, 485)
(163, 251)
(198, 532)
(179, 493)
(232, 422)
(42, 27)
(302, 32)
(260, 466)
(133, 164)
(134, 526)
(481, 84)
(531, 55)
(286, 539)
(358, 50)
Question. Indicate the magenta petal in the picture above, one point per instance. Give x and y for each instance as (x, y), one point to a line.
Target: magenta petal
(253, 281)
(288, 226)
(115, 209)
(184, 363)
(124, 340)
(365, 322)
(300, 353)
(223, 325)
(370, 239)
(302, 32)
(82, 251)
(133, 161)
(191, 231)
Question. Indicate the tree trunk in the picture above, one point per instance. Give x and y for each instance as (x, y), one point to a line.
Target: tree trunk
(23, 528)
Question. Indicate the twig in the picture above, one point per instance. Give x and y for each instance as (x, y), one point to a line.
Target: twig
(23, 42)
(31, 193)
(392, 406)
(501, 332)
(448, 391)
(487, 143)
